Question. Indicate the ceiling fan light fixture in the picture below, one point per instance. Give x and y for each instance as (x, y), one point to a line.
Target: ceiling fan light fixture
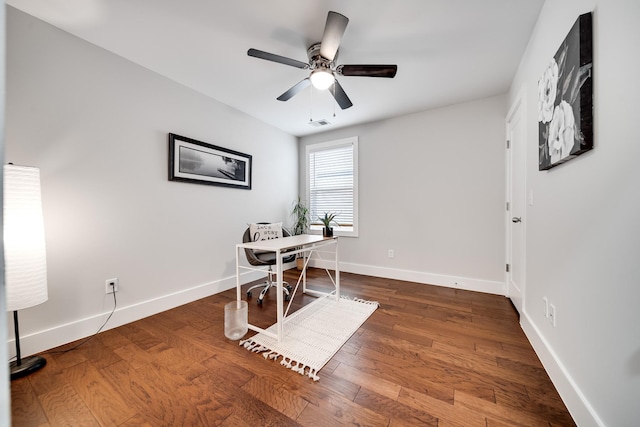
(322, 78)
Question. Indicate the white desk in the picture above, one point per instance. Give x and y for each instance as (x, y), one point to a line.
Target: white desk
(284, 247)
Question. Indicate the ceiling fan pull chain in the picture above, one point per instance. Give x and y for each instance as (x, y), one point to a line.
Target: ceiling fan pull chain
(334, 99)
(311, 106)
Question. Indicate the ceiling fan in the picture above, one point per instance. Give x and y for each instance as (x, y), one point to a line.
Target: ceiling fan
(322, 63)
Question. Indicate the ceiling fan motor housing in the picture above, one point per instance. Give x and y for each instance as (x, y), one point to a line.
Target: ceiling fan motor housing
(317, 61)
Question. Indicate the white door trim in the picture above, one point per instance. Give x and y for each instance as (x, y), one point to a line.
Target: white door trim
(518, 110)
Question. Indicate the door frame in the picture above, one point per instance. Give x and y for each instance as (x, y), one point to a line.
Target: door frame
(517, 109)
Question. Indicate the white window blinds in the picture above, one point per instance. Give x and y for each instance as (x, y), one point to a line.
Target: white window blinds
(331, 169)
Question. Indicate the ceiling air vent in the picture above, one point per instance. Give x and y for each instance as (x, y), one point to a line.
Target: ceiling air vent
(318, 123)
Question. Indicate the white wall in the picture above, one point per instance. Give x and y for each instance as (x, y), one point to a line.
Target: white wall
(583, 232)
(96, 125)
(5, 391)
(432, 189)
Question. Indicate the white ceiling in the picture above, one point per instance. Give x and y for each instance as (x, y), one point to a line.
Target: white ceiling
(447, 51)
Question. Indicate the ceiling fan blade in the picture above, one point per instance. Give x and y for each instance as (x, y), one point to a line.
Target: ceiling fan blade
(303, 84)
(333, 32)
(277, 58)
(340, 95)
(368, 70)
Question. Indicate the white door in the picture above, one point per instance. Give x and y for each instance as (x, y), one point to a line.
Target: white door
(516, 201)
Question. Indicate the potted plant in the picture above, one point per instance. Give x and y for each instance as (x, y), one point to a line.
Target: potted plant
(326, 220)
(300, 215)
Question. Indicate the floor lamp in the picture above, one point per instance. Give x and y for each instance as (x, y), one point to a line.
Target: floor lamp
(24, 253)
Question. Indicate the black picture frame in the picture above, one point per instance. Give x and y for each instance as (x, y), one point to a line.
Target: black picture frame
(565, 99)
(197, 162)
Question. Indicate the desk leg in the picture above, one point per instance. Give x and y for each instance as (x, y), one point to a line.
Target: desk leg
(337, 272)
(280, 297)
(304, 271)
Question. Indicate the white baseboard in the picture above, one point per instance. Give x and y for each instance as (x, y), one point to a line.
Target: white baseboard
(457, 282)
(580, 409)
(62, 334)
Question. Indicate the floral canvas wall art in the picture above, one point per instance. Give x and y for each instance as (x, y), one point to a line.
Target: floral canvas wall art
(565, 105)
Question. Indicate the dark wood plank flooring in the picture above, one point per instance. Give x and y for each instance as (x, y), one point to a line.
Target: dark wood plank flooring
(429, 356)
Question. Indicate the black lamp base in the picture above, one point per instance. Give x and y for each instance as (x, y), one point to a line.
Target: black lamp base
(27, 366)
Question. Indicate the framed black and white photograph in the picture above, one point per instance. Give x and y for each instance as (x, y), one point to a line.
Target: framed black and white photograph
(201, 163)
(565, 99)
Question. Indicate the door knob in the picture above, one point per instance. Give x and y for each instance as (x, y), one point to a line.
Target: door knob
(516, 219)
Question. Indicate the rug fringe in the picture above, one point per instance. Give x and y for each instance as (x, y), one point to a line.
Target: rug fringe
(364, 301)
(273, 355)
(267, 353)
(252, 346)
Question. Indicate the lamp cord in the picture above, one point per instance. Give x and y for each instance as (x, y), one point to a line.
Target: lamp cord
(16, 330)
(115, 304)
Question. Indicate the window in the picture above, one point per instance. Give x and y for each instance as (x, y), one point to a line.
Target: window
(332, 184)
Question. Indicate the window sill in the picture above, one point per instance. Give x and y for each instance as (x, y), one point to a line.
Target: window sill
(340, 232)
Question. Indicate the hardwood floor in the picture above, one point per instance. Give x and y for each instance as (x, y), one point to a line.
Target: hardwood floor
(429, 356)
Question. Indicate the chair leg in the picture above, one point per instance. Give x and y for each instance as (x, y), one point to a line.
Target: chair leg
(263, 292)
(261, 285)
(286, 288)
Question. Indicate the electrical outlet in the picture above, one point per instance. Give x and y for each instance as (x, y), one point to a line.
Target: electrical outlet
(111, 285)
(552, 315)
(390, 253)
(546, 307)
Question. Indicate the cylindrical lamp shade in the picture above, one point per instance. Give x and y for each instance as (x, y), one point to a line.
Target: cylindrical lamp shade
(24, 246)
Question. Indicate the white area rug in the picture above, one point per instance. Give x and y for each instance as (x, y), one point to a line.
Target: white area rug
(313, 334)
